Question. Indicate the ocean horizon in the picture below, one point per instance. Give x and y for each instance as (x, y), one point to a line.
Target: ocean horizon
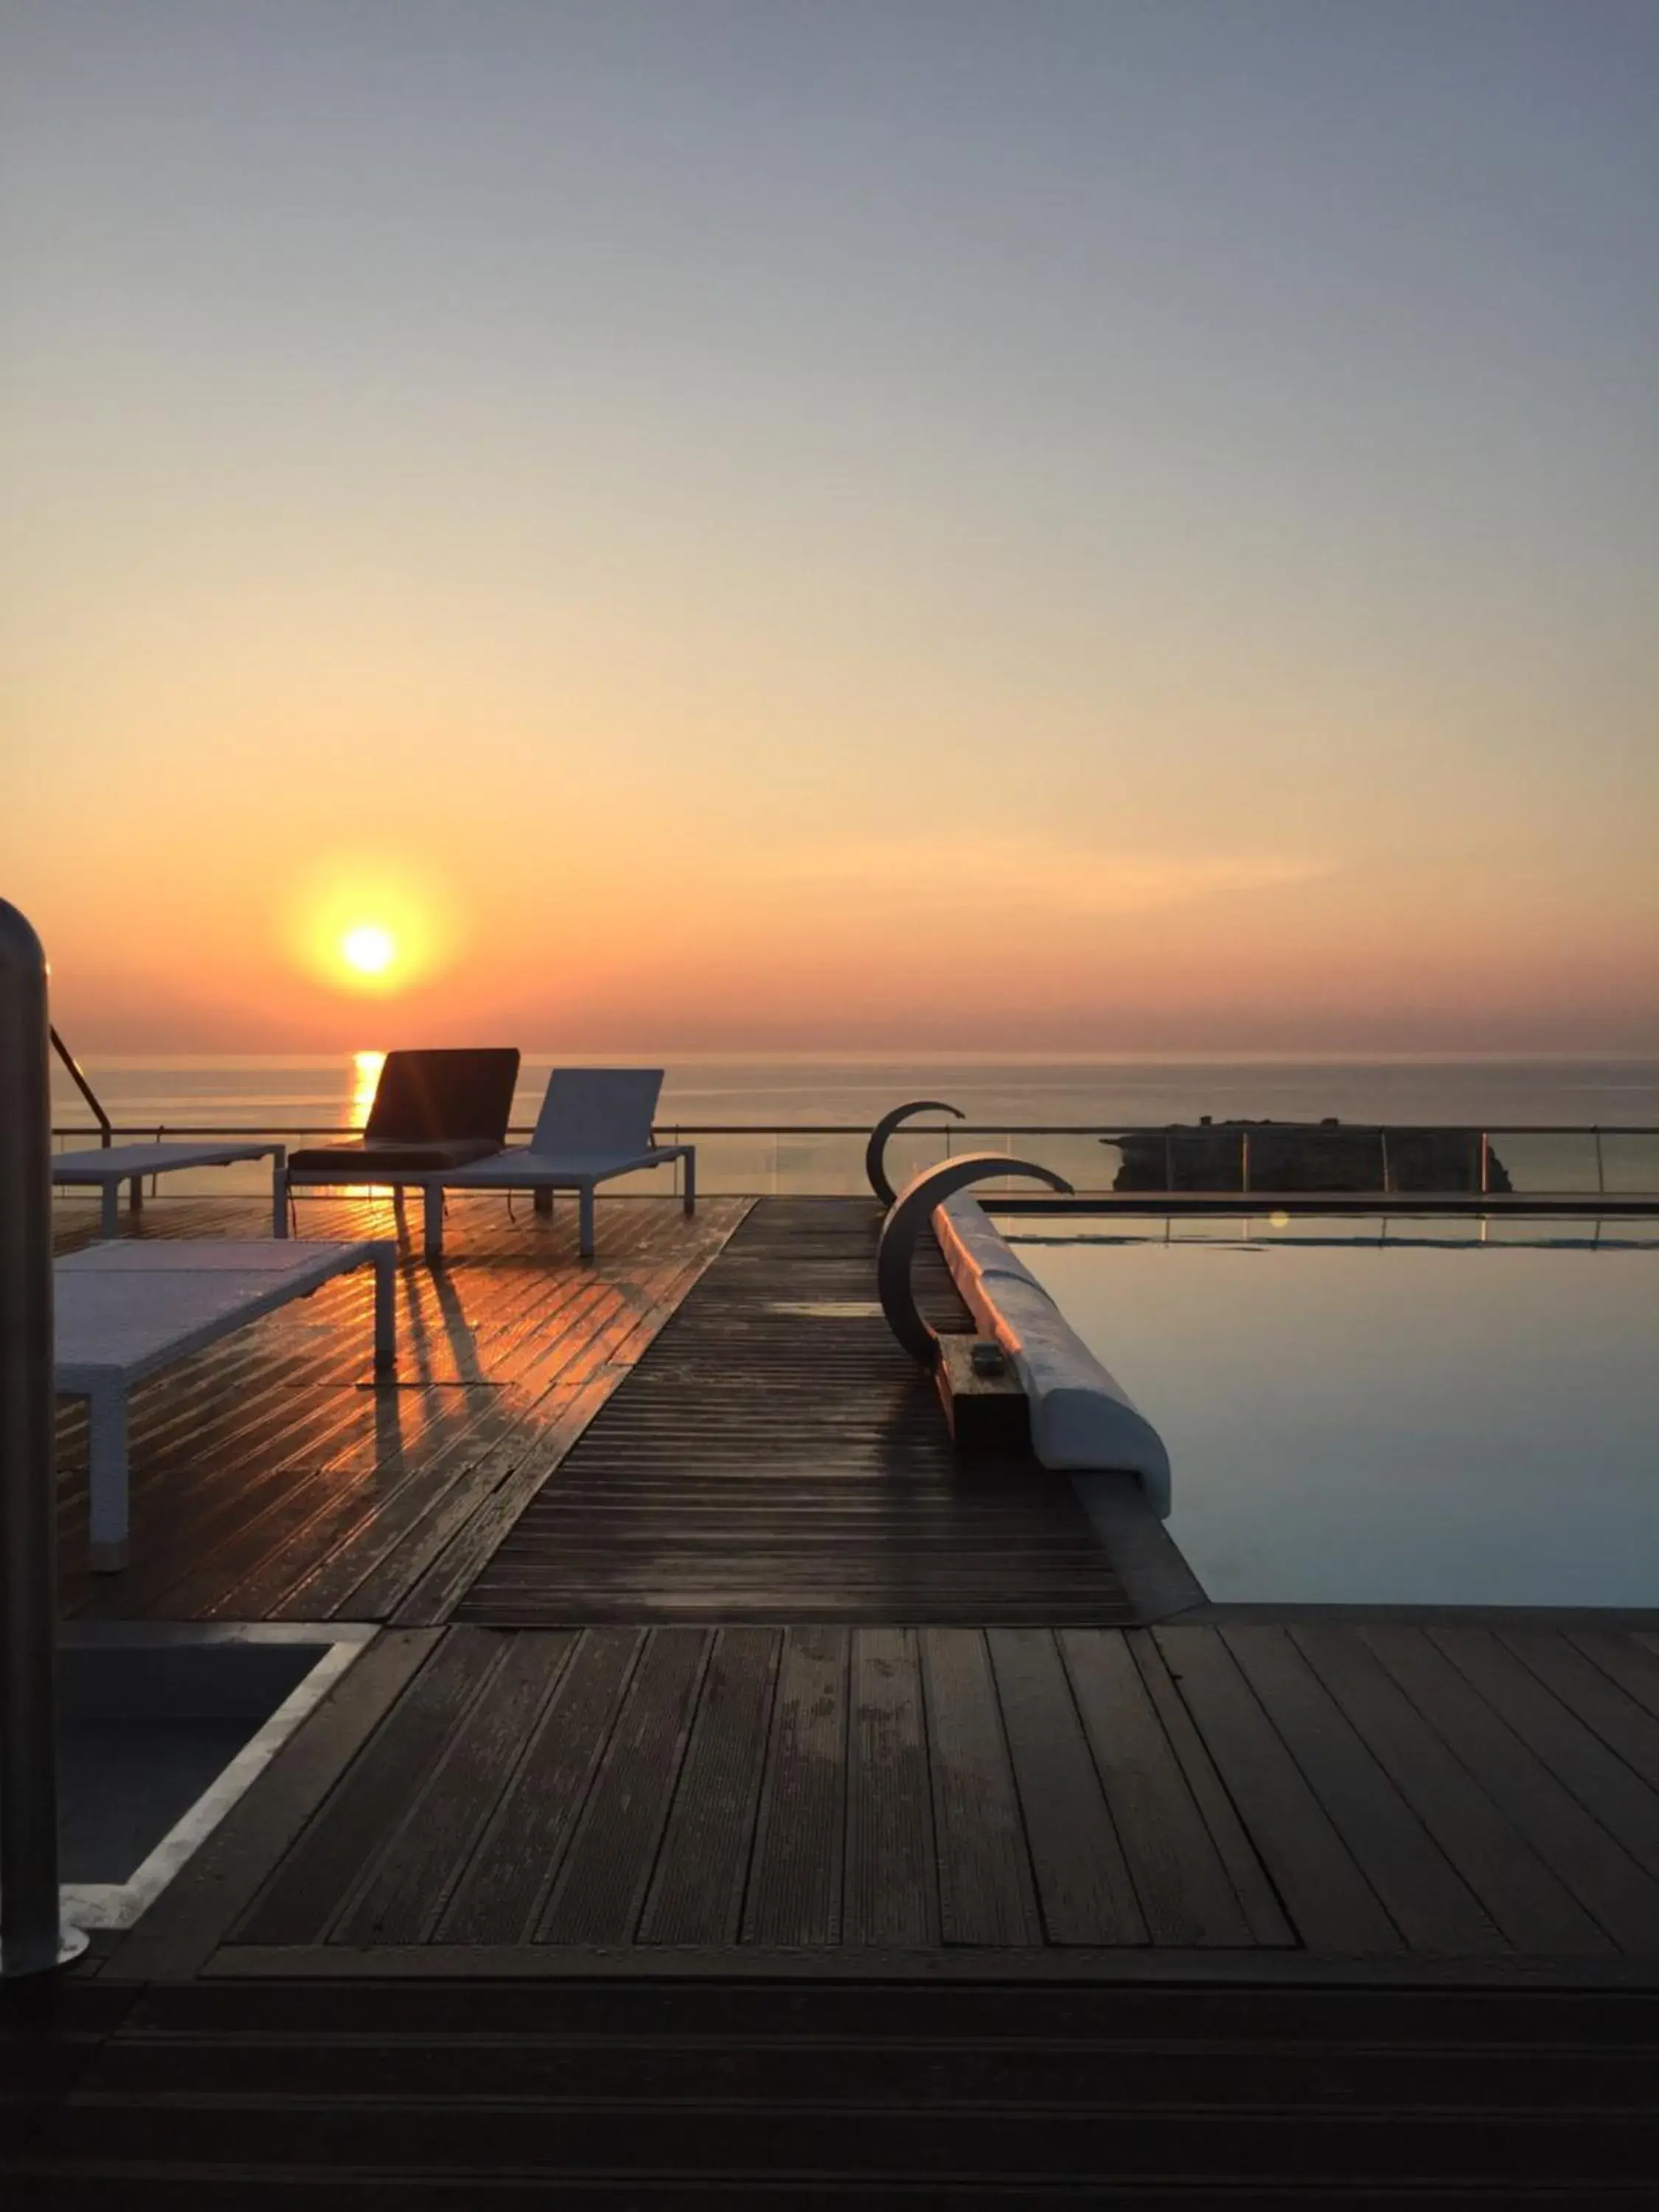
(330, 1091)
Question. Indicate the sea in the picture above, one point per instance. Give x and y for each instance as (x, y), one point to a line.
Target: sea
(330, 1091)
(778, 1094)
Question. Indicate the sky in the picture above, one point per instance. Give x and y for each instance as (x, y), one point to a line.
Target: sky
(976, 524)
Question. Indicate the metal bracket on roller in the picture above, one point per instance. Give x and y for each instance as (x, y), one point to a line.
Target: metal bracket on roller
(875, 1164)
(911, 1212)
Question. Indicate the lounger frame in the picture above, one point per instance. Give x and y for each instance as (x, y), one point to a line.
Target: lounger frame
(251, 1278)
(107, 1168)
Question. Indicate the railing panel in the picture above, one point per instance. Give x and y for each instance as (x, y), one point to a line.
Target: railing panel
(1546, 1163)
(911, 1149)
(1630, 1163)
(826, 1161)
(809, 1165)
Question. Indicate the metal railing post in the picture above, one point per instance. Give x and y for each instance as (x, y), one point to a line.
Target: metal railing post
(32, 1935)
(82, 1086)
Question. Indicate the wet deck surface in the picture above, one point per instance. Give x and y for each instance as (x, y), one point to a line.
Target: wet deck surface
(901, 1795)
(777, 1457)
(276, 1477)
(592, 1879)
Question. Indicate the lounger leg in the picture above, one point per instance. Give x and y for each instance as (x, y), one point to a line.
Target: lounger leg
(543, 1201)
(107, 1422)
(434, 1222)
(385, 1307)
(138, 1194)
(279, 1191)
(109, 1224)
(690, 1178)
(584, 1232)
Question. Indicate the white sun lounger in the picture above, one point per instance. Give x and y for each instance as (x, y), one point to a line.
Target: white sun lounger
(114, 1164)
(595, 1123)
(123, 1310)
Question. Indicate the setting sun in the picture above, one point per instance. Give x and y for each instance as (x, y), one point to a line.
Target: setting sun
(369, 949)
(365, 926)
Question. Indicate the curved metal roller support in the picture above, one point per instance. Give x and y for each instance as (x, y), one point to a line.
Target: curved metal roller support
(912, 1211)
(875, 1165)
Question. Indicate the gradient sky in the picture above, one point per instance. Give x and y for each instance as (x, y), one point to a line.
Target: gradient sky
(1006, 523)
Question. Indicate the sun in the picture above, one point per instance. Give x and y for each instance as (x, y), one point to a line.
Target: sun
(368, 949)
(367, 928)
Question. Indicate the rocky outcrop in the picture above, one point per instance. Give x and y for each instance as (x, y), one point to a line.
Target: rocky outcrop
(1305, 1155)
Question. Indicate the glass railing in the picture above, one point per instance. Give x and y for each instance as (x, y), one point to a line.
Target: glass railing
(827, 1159)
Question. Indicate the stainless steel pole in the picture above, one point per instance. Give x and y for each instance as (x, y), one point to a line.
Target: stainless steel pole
(31, 1935)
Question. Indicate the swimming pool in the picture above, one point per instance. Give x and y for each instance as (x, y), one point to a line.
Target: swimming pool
(1387, 1410)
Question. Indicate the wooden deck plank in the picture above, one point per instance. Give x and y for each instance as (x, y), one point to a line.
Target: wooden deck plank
(233, 1514)
(776, 1457)
(1332, 1906)
(987, 1894)
(1622, 1721)
(501, 1892)
(890, 1891)
(1084, 1888)
(314, 1883)
(1625, 1660)
(1604, 1878)
(1263, 1914)
(412, 1882)
(523, 1467)
(1597, 1776)
(1426, 1898)
(795, 1884)
(697, 1894)
(601, 1887)
(1184, 1891)
(1534, 1911)
(889, 2064)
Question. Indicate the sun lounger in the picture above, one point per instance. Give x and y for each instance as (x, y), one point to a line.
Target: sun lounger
(123, 1310)
(432, 1110)
(595, 1123)
(114, 1164)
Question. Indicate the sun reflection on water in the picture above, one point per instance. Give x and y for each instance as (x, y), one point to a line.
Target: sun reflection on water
(365, 1075)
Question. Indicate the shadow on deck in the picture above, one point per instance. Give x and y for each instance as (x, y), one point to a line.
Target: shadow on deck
(276, 1477)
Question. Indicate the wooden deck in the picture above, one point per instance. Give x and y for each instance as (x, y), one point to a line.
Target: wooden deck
(276, 1477)
(777, 1457)
(1010, 1802)
(722, 1820)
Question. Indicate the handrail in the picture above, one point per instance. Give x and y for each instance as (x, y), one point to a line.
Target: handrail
(1111, 1130)
(105, 1127)
(1163, 1134)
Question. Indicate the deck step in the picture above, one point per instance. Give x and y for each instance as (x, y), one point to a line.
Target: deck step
(369, 2094)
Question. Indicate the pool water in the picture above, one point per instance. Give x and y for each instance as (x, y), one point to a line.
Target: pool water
(1399, 1413)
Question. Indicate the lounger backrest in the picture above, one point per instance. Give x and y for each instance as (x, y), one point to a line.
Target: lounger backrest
(425, 1097)
(598, 1109)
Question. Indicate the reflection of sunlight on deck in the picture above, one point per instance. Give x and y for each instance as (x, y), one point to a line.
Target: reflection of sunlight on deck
(365, 1074)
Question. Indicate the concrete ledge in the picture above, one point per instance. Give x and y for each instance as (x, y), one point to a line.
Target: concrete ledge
(1082, 1418)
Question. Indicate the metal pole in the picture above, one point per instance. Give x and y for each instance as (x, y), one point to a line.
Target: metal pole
(85, 1088)
(31, 1934)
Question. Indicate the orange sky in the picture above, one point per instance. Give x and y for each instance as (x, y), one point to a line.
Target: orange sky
(1098, 555)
